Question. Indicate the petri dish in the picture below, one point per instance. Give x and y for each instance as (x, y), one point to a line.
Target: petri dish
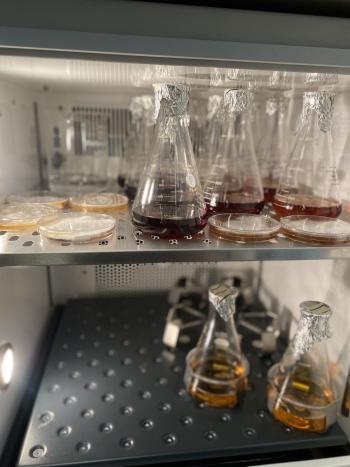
(317, 230)
(243, 227)
(23, 216)
(99, 202)
(77, 227)
(39, 197)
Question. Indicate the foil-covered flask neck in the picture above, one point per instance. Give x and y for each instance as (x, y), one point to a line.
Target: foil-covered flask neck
(237, 100)
(276, 104)
(279, 80)
(142, 107)
(214, 105)
(313, 326)
(321, 79)
(321, 102)
(223, 298)
(172, 98)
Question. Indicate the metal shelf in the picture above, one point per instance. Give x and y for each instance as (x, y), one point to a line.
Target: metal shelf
(111, 394)
(125, 247)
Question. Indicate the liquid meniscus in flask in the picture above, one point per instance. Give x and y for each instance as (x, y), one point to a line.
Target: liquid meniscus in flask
(306, 205)
(216, 370)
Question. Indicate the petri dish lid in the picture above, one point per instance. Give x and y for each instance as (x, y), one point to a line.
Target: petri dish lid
(39, 197)
(243, 227)
(99, 202)
(317, 230)
(77, 227)
(23, 216)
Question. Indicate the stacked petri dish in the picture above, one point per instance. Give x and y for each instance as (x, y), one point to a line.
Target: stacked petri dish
(247, 228)
(77, 227)
(316, 230)
(39, 197)
(99, 202)
(24, 216)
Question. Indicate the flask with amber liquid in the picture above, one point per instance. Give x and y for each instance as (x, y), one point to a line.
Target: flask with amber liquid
(216, 370)
(300, 392)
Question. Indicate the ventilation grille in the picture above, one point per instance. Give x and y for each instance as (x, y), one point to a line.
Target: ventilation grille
(90, 122)
(121, 278)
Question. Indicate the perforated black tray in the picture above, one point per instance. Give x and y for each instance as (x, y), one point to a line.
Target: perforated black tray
(110, 393)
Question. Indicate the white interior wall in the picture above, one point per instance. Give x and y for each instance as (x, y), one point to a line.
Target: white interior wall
(19, 164)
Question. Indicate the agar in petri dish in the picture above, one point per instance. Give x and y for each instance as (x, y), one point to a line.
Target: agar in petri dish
(99, 202)
(77, 227)
(316, 230)
(23, 216)
(39, 197)
(247, 228)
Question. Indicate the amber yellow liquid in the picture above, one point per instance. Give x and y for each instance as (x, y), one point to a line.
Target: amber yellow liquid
(295, 407)
(228, 383)
(345, 405)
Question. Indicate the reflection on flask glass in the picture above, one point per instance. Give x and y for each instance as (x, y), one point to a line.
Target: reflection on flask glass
(139, 143)
(272, 147)
(216, 370)
(169, 201)
(81, 164)
(300, 392)
(234, 183)
(309, 182)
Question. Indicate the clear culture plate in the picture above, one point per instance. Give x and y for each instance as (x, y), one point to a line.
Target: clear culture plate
(316, 230)
(248, 228)
(39, 197)
(23, 216)
(99, 202)
(77, 227)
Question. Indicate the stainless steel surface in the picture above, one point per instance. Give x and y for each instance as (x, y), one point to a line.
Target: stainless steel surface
(17, 248)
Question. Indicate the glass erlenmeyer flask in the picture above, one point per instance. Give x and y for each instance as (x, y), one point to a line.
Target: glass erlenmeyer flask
(343, 171)
(234, 183)
(142, 111)
(272, 148)
(213, 132)
(309, 182)
(169, 200)
(216, 370)
(300, 392)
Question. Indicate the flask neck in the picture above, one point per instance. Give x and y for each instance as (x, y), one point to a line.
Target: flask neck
(318, 106)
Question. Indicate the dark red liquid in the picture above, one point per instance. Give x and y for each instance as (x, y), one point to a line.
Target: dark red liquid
(245, 208)
(168, 228)
(121, 181)
(130, 191)
(307, 206)
(269, 194)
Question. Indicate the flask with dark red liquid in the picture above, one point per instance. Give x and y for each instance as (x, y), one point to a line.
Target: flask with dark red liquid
(309, 182)
(169, 200)
(234, 184)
